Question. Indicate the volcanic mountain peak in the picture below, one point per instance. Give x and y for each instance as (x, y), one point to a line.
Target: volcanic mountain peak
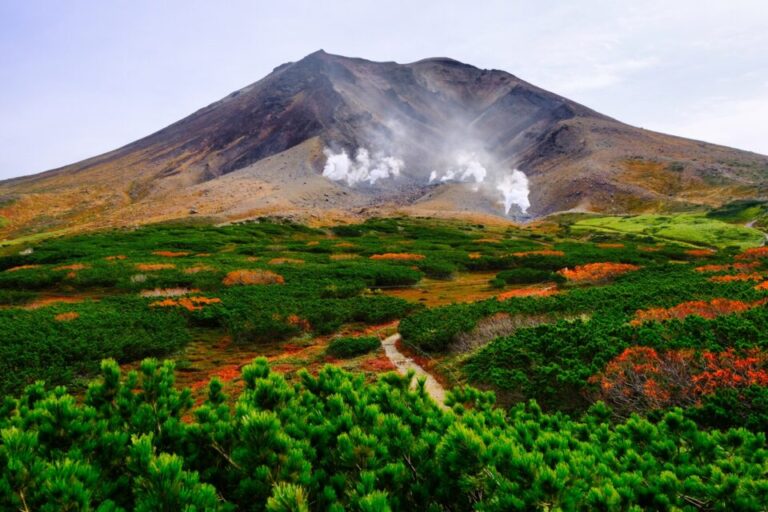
(355, 137)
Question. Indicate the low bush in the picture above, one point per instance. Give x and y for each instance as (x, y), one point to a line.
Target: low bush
(529, 276)
(348, 347)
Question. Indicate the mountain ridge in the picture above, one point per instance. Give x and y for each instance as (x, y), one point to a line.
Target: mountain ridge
(439, 123)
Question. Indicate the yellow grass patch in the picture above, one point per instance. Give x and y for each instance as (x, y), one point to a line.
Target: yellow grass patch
(168, 292)
(188, 303)
(252, 277)
(154, 266)
(21, 267)
(284, 261)
(398, 256)
(540, 252)
(198, 268)
(73, 267)
(66, 317)
(170, 254)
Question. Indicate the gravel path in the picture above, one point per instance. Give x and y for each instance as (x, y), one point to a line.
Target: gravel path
(405, 363)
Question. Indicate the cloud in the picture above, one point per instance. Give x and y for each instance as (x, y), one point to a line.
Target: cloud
(735, 122)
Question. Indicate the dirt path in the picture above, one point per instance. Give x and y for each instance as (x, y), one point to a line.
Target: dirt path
(404, 363)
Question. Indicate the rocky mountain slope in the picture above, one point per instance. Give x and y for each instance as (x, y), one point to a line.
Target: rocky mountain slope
(330, 138)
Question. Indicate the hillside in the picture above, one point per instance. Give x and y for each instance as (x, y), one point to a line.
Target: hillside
(442, 138)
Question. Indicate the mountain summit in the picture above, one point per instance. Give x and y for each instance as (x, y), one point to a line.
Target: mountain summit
(333, 137)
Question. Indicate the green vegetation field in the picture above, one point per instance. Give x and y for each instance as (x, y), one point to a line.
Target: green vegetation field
(695, 229)
(623, 363)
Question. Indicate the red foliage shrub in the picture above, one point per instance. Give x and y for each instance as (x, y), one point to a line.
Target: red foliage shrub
(606, 245)
(753, 253)
(726, 268)
(730, 278)
(711, 309)
(700, 253)
(641, 379)
(729, 370)
(594, 272)
(378, 364)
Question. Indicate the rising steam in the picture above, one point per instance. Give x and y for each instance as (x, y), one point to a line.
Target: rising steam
(513, 186)
(480, 171)
(363, 169)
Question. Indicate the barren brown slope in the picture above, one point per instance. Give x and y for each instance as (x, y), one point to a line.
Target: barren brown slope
(259, 151)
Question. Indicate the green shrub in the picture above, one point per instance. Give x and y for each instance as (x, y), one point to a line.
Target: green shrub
(529, 276)
(349, 347)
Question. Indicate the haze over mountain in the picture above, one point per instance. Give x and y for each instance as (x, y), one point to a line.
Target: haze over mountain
(330, 138)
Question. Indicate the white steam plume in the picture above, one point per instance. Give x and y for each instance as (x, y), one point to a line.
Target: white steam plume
(364, 168)
(514, 188)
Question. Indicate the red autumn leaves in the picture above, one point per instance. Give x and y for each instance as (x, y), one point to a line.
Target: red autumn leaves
(642, 379)
(706, 309)
(596, 272)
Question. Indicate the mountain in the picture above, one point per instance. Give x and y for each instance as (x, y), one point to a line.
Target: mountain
(330, 138)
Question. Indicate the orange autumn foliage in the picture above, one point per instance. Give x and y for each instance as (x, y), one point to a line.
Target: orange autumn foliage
(379, 364)
(341, 257)
(704, 309)
(198, 268)
(753, 253)
(188, 303)
(398, 256)
(66, 317)
(731, 278)
(475, 255)
(299, 322)
(74, 266)
(527, 292)
(21, 267)
(700, 253)
(641, 379)
(611, 245)
(170, 254)
(283, 261)
(728, 369)
(725, 268)
(595, 272)
(762, 286)
(252, 277)
(154, 266)
(541, 252)
(116, 257)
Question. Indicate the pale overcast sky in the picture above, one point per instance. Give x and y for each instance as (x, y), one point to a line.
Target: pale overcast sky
(82, 77)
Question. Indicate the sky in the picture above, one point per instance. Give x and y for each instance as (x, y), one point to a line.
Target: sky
(82, 77)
